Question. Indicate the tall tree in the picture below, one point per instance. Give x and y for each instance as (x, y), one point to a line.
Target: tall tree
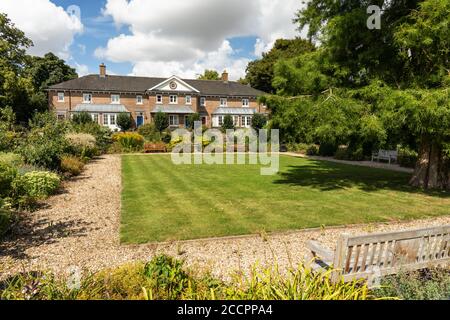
(209, 75)
(260, 73)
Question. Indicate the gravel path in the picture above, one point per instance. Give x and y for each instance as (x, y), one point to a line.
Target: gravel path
(80, 227)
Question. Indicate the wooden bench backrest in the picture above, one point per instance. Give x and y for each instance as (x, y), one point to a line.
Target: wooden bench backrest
(388, 153)
(388, 253)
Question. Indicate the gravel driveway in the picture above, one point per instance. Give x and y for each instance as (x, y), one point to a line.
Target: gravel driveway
(80, 227)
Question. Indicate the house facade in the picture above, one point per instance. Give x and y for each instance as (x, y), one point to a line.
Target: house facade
(104, 96)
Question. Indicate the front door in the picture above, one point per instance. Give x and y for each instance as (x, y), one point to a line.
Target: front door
(139, 120)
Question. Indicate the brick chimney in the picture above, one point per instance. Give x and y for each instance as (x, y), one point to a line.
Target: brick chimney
(102, 68)
(225, 76)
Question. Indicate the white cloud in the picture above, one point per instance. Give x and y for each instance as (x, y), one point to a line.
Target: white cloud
(185, 37)
(50, 27)
(82, 69)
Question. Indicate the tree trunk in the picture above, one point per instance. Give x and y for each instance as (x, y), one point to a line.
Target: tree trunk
(432, 171)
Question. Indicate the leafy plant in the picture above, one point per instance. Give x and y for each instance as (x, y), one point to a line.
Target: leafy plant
(161, 121)
(7, 176)
(37, 184)
(259, 121)
(124, 121)
(82, 145)
(71, 165)
(227, 123)
(12, 159)
(81, 118)
(129, 141)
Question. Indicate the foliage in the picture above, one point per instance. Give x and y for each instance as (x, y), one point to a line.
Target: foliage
(191, 119)
(259, 120)
(102, 134)
(124, 121)
(161, 121)
(71, 165)
(6, 218)
(167, 275)
(427, 284)
(149, 132)
(7, 175)
(407, 157)
(37, 184)
(82, 145)
(81, 118)
(9, 138)
(165, 278)
(260, 73)
(228, 123)
(209, 75)
(11, 159)
(129, 141)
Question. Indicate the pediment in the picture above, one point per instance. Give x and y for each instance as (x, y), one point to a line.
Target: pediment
(174, 84)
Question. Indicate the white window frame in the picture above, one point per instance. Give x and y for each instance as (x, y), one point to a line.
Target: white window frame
(159, 99)
(246, 103)
(188, 99)
(236, 121)
(223, 102)
(220, 120)
(246, 121)
(59, 96)
(202, 101)
(87, 95)
(175, 100)
(141, 100)
(174, 120)
(94, 116)
(115, 99)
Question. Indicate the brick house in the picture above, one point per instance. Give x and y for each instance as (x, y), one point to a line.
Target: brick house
(105, 96)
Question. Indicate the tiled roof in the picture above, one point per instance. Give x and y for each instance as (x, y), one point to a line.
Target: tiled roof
(142, 84)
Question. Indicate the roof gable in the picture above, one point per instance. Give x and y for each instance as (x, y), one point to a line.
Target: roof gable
(174, 84)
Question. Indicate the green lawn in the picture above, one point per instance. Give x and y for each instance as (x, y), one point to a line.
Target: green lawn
(162, 201)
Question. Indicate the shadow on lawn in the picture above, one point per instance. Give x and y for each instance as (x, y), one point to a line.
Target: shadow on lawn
(328, 176)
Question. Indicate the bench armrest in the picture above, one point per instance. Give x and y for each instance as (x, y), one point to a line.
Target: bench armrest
(318, 250)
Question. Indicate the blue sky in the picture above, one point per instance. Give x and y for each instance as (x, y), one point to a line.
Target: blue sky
(154, 37)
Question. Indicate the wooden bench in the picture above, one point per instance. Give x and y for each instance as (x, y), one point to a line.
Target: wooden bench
(155, 147)
(375, 255)
(388, 155)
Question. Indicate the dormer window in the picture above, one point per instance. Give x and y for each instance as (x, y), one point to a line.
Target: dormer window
(223, 102)
(173, 99)
(115, 98)
(159, 99)
(60, 96)
(188, 100)
(245, 103)
(87, 98)
(139, 100)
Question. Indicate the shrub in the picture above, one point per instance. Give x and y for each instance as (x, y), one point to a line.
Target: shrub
(149, 132)
(12, 159)
(124, 121)
(82, 145)
(71, 165)
(161, 121)
(7, 176)
(227, 123)
(102, 134)
(129, 141)
(42, 152)
(427, 284)
(37, 184)
(407, 157)
(167, 275)
(5, 221)
(81, 118)
(259, 121)
(313, 150)
(327, 149)
(192, 118)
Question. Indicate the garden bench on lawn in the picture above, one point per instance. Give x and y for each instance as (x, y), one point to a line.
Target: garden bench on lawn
(388, 155)
(375, 255)
(155, 147)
